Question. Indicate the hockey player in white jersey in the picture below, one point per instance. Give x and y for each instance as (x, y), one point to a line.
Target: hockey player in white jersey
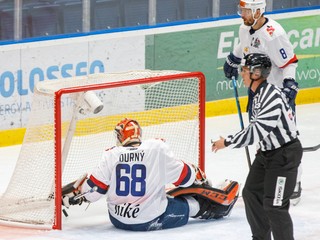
(260, 34)
(134, 175)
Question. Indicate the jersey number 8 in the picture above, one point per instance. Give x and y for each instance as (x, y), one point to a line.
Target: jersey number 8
(283, 53)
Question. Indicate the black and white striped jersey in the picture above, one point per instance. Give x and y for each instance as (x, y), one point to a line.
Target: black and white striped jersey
(272, 122)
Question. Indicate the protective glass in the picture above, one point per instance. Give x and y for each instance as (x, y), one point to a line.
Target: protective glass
(242, 68)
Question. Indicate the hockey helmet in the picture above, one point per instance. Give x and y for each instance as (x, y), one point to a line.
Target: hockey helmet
(128, 131)
(258, 64)
(254, 5)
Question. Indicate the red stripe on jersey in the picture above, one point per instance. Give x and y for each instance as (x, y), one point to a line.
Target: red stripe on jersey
(183, 175)
(292, 60)
(98, 183)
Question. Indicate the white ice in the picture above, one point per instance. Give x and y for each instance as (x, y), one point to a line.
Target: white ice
(94, 223)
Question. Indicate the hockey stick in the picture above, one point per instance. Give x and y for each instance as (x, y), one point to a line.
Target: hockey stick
(94, 189)
(311, 149)
(234, 81)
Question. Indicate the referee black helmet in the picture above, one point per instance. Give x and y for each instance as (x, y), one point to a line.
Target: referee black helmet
(258, 64)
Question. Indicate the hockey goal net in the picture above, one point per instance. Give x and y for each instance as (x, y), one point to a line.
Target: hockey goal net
(72, 122)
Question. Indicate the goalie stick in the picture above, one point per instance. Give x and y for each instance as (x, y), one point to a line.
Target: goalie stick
(94, 189)
(311, 149)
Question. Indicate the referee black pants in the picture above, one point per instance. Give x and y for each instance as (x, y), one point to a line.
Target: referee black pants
(266, 194)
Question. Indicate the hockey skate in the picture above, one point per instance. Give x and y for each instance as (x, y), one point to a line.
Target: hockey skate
(296, 196)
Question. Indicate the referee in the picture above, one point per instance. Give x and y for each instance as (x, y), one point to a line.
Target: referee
(272, 176)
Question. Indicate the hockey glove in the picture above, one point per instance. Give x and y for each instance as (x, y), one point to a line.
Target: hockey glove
(71, 191)
(231, 66)
(290, 89)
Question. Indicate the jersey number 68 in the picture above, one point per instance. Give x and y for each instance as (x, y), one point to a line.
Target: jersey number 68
(131, 180)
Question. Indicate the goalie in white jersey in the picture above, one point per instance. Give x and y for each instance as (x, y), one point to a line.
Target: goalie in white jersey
(134, 175)
(259, 34)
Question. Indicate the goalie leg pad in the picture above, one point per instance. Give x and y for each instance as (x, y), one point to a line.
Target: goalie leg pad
(214, 203)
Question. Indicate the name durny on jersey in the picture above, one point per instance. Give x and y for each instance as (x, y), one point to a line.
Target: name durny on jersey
(131, 157)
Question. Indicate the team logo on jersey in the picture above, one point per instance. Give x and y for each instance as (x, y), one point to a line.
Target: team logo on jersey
(270, 30)
(256, 42)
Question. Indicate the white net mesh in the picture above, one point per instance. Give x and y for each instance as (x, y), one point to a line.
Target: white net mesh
(164, 109)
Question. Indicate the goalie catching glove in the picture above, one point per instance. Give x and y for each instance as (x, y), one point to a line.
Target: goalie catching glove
(214, 203)
(71, 193)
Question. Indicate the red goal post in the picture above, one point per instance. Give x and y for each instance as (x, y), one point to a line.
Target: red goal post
(66, 137)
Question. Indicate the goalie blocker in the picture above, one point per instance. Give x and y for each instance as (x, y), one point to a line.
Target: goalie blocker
(214, 203)
(71, 193)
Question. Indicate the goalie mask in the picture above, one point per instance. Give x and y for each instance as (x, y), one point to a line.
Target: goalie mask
(258, 64)
(128, 131)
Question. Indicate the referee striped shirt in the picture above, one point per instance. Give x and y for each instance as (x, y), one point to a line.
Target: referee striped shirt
(272, 122)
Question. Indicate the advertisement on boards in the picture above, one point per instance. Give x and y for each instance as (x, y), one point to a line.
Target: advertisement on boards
(206, 49)
(24, 65)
